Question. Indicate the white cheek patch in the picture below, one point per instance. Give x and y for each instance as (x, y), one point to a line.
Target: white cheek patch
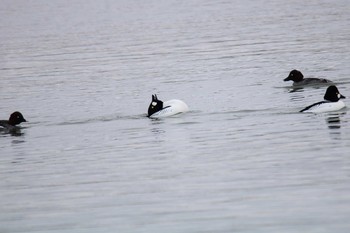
(338, 96)
(154, 103)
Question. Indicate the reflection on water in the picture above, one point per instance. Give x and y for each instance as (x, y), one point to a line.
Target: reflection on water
(15, 131)
(333, 120)
(296, 94)
(295, 89)
(334, 125)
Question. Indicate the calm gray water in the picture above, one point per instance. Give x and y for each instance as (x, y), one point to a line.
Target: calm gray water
(242, 160)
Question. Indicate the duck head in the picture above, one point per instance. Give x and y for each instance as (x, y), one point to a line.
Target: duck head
(16, 118)
(155, 106)
(332, 94)
(295, 75)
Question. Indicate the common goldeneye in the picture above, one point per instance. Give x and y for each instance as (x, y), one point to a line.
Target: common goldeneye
(299, 80)
(331, 102)
(16, 118)
(159, 109)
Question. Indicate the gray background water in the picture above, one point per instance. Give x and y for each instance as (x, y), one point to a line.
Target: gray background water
(242, 160)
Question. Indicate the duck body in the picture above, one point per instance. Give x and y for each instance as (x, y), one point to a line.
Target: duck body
(312, 81)
(298, 79)
(171, 108)
(160, 109)
(324, 106)
(331, 102)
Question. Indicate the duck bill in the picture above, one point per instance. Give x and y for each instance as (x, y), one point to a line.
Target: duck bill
(286, 79)
(341, 96)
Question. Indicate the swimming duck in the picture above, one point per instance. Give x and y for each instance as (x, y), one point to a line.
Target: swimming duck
(159, 109)
(331, 102)
(299, 80)
(16, 118)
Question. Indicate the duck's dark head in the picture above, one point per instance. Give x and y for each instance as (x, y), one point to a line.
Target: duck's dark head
(16, 118)
(155, 106)
(332, 94)
(295, 75)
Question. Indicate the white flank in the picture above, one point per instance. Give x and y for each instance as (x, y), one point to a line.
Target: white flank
(171, 108)
(327, 107)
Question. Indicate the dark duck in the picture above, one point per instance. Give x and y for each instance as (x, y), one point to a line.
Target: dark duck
(15, 119)
(298, 79)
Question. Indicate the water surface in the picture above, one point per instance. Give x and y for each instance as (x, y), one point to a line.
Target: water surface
(242, 160)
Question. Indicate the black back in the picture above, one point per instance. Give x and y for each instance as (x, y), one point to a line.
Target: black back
(312, 105)
(155, 106)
